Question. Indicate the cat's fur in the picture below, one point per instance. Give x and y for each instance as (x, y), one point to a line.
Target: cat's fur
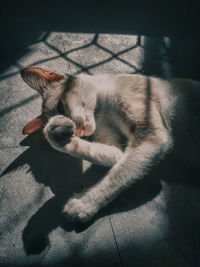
(130, 119)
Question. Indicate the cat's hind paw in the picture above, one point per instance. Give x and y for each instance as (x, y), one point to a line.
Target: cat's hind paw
(79, 209)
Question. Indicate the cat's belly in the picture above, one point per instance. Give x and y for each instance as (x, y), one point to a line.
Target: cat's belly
(106, 135)
(112, 131)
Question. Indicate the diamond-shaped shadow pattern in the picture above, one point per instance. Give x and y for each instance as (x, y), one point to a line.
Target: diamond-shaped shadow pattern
(79, 52)
(119, 54)
(94, 56)
(93, 53)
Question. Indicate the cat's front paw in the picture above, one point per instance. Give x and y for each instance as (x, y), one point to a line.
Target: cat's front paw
(59, 131)
(79, 209)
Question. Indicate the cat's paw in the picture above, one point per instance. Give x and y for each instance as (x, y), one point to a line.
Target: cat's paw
(59, 131)
(79, 209)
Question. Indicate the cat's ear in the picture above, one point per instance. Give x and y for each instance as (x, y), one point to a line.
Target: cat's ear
(33, 126)
(39, 78)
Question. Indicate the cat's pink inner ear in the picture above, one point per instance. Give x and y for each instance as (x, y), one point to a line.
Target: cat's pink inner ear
(35, 125)
(49, 75)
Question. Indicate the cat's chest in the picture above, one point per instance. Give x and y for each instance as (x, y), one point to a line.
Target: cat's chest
(111, 129)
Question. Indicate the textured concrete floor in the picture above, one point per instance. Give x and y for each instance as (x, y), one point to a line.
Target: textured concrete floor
(139, 228)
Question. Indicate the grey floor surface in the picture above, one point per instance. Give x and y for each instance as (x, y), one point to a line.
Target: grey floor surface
(154, 224)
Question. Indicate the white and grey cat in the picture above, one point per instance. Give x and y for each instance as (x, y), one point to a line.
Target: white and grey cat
(130, 119)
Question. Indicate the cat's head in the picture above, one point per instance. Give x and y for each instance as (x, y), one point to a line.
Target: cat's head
(70, 96)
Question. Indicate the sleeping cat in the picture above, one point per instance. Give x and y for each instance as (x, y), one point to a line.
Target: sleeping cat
(130, 120)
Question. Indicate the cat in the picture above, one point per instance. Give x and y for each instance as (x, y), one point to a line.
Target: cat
(130, 121)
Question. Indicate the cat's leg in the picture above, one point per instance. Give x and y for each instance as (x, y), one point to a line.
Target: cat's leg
(60, 134)
(131, 166)
(97, 153)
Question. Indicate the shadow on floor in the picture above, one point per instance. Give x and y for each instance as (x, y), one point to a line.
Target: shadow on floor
(63, 174)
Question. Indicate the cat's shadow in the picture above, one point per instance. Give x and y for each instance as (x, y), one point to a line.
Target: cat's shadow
(63, 174)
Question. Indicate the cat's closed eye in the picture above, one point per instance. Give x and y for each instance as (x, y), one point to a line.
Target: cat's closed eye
(60, 108)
